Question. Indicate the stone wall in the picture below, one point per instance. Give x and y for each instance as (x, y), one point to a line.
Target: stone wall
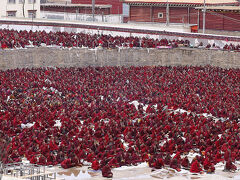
(44, 57)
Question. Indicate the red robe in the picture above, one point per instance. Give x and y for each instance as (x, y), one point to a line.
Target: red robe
(95, 165)
(195, 167)
(106, 172)
(66, 164)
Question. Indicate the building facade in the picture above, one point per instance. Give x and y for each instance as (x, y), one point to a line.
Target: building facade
(172, 11)
(76, 8)
(226, 18)
(117, 5)
(20, 8)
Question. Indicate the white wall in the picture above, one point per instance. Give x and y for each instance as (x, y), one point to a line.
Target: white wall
(81, 17)
(18, 7)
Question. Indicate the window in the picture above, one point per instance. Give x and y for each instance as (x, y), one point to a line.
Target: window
(31, 1)
(160, 15)
(11, 1)
(11, 13)
(32, 14)
(21, 1)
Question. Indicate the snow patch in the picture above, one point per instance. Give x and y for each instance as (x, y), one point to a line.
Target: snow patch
(135, 103)
(57, 123)
(145, 107)
(179, 110)
(141, 165)
(28, 125)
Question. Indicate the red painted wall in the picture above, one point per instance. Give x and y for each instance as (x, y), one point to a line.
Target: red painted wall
(82, 10)
(178, 15)
(150, 14)
(193, 17)
(116, 4)
(155, 12)
(140, 13)
(222, 21)
(186, 15)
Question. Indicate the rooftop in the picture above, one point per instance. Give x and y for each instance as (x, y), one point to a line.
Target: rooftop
(74, 5)
(209, 2)
(224, 8)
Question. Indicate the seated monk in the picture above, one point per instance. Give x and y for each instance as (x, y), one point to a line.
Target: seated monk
(167, 159)
(195, 167)
(60, 157)
(175, 164)
(229, 166)
(75, 161)
(113, 163)
(208, 166)
(151, 162)
(106, 172)
(66, 164)
(95, 165)
(51, 159)
(42, 160)
(158, 164)
(33, 160)
(185, 163)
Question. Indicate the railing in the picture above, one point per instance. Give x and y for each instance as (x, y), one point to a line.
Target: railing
(27, 171)
(81, 17)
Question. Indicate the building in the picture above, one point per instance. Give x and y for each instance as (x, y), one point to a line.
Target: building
(81, 10)
(20, 8)
(77, 12)
(117, 5)
(76, 8)
(171, 11)
(55, 1)
(225, 18)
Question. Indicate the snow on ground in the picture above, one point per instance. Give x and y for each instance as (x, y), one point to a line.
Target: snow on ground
(140, 172)
(122, 168)
(179, 110)
(136, 104)
(28, 125)
(143, 172)
(57, 123)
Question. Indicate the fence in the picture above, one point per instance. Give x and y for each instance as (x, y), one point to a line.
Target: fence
(82, 17)
(26, 171)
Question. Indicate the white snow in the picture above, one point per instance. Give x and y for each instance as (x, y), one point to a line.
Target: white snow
(28, 125)
(145, 107)
(179, 110)
(122, 168)
(57, 123)
(136, 104)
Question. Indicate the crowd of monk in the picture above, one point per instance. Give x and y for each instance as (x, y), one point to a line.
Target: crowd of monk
(67, 116)
(11, 39)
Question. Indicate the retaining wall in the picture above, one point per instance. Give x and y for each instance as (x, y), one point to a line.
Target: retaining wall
(44, 57)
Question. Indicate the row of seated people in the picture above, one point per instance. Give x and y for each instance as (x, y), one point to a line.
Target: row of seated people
(112, 116)
(14, 39)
